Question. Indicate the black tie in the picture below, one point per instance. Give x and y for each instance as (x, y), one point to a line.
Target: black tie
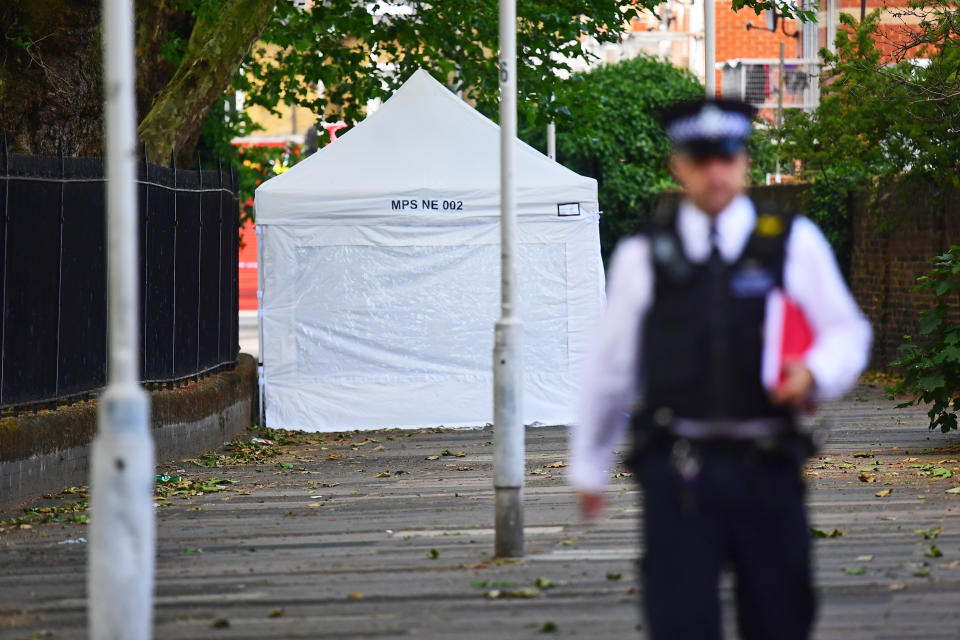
(717, 312)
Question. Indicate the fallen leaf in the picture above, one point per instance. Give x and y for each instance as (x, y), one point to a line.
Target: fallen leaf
(356, 595)
(820, 533)
(613, 576)
(543, 583)
(314, 505)
(333, 456)
(220, 623)
(286, 465)
(955, 490)
(432, 554)
(275, 613)
(460, 454)
(383, 474)
(949, 565)
(190, 550)
(433, 457)
(556, 465)
(928, 534)
(863, 454)
(897, 586)
(934, 552)
(548, 627)
(883, 493)
(522, 592)
(864, 558)
(855, 571)
(866, 477)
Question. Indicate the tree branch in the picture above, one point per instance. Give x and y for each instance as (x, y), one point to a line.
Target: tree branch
(217, 47)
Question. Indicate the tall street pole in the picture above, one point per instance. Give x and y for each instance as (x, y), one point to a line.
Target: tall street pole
(810, 46)
(710, 48)
(507, 368)
(122, 535)
(552, 140)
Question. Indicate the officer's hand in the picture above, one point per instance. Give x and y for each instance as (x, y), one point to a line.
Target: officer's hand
(795, 389)
(591, 504)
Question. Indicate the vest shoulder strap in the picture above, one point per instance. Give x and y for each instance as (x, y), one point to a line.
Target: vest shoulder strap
(666, 249)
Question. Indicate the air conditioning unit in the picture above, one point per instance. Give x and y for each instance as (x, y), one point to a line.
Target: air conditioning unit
(757, 81)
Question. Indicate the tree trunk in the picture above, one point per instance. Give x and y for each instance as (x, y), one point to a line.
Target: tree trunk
(217, 46)
(51, 87)
(156, 20)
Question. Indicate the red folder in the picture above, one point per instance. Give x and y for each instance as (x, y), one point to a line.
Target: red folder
(797, 336)
(788, 337)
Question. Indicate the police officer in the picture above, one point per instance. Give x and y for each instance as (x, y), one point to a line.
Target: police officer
(678, 359)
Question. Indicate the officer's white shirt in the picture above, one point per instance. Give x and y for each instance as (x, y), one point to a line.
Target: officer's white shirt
(812, 279)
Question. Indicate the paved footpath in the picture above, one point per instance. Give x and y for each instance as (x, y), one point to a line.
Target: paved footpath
(380, 535)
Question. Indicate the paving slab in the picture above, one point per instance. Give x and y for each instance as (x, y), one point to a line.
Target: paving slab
(380, 535)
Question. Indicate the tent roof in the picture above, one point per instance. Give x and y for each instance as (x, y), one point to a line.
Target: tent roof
(424, 143)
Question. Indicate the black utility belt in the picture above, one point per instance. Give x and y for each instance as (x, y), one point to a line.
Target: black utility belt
(763, 437)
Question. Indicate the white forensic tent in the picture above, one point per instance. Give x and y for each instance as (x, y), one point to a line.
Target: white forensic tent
(381, 273)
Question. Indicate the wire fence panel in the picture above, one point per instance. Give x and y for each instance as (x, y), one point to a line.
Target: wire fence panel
(53, 325)
(159, 249)
(186, 274)
(83, 275)
(31, 283)
(211, 250)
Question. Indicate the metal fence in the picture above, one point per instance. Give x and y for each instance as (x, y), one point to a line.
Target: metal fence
(53, 327)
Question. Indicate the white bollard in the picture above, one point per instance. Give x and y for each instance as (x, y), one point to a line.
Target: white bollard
(122, 532)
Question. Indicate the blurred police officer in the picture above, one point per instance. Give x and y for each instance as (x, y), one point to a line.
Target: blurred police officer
(678, 359)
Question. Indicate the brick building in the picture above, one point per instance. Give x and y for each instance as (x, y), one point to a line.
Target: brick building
(744, 43)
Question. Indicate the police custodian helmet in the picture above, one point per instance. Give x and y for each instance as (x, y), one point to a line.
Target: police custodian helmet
(708, 127)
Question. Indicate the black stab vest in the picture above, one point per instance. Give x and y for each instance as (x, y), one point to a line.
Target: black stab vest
(703, 335)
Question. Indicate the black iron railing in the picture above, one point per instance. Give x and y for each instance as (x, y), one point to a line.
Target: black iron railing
(53, 326)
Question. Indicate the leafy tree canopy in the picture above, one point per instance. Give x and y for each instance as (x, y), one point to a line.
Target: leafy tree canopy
(190, 51)
(883, 115)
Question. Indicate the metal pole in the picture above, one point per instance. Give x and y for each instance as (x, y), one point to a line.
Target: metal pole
(507, 367)
(122, 536)
(810, 44)
(779, 111)
(552, 140)
(709, 49)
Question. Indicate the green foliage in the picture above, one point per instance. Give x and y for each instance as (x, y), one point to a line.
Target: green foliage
(763, 152)
(614, 135)
(358, 51)
(253, 164)
(882, 118)
(931, 364)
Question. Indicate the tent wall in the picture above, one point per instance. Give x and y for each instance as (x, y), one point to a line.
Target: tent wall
(391, 324)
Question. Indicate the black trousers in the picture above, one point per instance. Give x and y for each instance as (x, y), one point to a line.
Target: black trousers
(741, 511)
